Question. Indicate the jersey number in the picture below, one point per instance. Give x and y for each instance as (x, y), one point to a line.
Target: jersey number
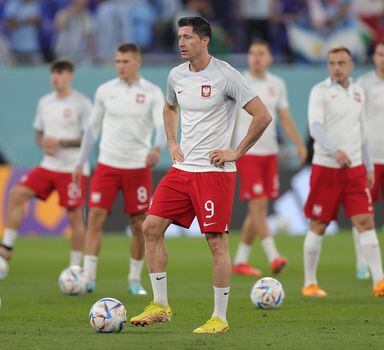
(142, 194)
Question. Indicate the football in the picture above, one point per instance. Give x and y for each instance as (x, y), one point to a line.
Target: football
(72, 281)
(267, 293)
(3, 268)
(108, 315)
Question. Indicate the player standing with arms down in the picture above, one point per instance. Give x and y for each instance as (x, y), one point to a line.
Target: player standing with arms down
(202, 179)
(61, 118)
(258, 168)
(127, 110)
(373, 85)
(336, 114)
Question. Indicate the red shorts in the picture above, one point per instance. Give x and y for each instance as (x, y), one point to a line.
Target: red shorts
(136, 185)
(182, 195)
(259, 177)
(379, 183)
(43, 182)
(329, 188)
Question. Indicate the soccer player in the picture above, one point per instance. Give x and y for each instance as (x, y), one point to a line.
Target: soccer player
(373, 85)
(127, 110)
(202, 179)
(342, 171)
(258, 168)
(61, 118)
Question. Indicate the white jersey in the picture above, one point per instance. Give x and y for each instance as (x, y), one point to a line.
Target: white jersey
(127, 116)
(341, 113)
(63, 119)
(207, 101)
(374, 114)
(273, 92)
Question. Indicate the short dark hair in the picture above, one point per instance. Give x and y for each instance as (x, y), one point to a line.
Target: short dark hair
(199, 25)
(260, 42)
(62, 64)
(338, 49)
(129, 47)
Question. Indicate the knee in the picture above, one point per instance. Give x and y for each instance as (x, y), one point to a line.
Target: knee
(150, 229)
(365, 223)
(318, 226)
(75, 216)
(19, 195)
(136, 224)
(96, 216)
(216, 244)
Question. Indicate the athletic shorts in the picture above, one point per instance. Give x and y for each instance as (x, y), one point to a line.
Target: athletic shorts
(182, 195)
(136, 185)
(379, 183)
(43, 182)
(259, 176)
(330, 188)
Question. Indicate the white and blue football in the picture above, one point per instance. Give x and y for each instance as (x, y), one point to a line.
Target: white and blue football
(108, 315)
(72, 281)
(267, 293)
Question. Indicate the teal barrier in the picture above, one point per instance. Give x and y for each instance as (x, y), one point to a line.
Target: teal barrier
(22, 87)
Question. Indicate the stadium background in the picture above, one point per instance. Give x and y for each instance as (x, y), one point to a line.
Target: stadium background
(299, 33)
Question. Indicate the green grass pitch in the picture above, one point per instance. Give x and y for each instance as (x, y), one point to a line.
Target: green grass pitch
(34, 315)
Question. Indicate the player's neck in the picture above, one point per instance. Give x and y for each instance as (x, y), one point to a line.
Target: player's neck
(131, 80)
(258, 74)
(380, 73)
(64, 92)
(200, 63)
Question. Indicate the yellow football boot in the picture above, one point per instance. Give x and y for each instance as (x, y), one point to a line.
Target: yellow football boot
(212, 326)
(314, 291)
(378, 289)
(153, 313)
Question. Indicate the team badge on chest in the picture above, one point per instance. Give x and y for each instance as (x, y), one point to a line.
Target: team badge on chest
(67, 113)
(140, 98)
(357, 97)
(206, 91)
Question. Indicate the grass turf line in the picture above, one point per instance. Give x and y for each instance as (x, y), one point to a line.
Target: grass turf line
(34, 315)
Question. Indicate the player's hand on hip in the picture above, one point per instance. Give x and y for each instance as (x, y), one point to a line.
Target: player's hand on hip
(342, 159)
(153, 157)
(77, 174)
(302, 153)
(50, 145)
(370, 179)
(219, 157)
(176, 152)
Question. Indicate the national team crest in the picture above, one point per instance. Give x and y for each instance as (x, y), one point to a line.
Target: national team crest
(357, 97)
(67, 113)
(206, 91)
(140, 98)
(271, 91)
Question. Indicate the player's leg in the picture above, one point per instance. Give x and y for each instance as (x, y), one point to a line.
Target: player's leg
(76, 223)
(370, 246)
(137, 254)
(18, 197)
(312, 249)
(93, 238)
(362, 269)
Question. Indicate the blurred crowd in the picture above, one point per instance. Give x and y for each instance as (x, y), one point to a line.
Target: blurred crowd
(88, 31)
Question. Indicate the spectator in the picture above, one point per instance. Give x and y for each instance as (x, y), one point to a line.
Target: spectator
(22, 22)
(74, 28)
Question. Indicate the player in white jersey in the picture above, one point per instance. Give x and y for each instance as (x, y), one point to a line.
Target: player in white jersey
(127, 110)
(373, 85)
(60, 120)
(342, 171)
(202, 179)
(258, 168)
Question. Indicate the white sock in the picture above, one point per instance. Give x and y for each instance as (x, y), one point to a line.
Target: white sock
(371, 251)
(242, 254)
(90, 266)
(75, 258)
(135, 268)
(9, 237)
(270, 249)
(312, 249)
(159, 287)
(221, 296)
(360, 260)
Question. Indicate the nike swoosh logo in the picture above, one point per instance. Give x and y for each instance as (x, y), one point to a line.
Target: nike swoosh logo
(180, 91)
(212, 223)
(160, 278)
(226, 293)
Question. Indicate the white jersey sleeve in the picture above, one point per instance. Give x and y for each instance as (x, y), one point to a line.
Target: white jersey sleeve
(157, 117)
(237, 87)
(171, 95)
(38, 123)
(316, 107)
(283, 102)
(97, 114)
